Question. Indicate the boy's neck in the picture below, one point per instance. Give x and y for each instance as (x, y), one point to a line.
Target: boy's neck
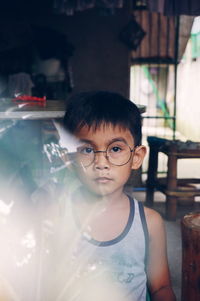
(90, 199)
(97, 215)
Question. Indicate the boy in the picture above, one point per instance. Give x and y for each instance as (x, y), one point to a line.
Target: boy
(128, 237)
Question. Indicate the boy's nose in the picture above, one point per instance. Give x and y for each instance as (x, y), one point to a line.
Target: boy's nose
(101, 161)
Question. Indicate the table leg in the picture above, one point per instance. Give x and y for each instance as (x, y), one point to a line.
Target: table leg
(151, 175)
(171, 200)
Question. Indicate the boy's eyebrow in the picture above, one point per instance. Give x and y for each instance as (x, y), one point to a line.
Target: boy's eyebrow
(118, 139)
(86, 141)
(109, 141)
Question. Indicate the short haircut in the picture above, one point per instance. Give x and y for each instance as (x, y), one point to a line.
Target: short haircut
(94, 108)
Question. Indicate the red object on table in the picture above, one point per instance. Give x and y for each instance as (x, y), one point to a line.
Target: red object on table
(30, 100)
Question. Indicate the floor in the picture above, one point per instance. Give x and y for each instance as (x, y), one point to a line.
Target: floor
(174, 243)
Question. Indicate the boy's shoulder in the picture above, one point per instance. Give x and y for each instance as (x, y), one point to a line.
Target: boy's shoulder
(154, 220)
(151, 213)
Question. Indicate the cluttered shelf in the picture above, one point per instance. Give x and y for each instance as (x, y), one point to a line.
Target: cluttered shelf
(10, 109)
(14, 110)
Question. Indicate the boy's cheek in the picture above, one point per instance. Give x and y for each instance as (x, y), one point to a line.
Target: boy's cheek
(81, 173)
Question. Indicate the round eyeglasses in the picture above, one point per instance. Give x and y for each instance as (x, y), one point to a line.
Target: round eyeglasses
(117, 153)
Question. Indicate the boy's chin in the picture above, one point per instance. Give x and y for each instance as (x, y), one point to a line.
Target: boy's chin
(96, 192)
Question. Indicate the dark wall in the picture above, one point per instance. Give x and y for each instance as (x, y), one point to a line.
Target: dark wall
(100, 60)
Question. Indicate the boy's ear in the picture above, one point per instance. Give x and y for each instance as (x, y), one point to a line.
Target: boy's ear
(138, 156)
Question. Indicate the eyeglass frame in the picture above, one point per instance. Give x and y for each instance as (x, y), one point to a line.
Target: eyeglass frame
(107, 157)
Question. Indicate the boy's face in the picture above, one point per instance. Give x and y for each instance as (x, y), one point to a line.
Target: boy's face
(101, 177)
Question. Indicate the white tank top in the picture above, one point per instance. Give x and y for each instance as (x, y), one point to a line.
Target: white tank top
(123, 258)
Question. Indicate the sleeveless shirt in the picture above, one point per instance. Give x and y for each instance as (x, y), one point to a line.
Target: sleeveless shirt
(123, 258)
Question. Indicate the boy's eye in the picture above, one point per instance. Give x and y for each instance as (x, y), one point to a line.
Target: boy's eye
(119, 148)
(85, 150)
(115, 149)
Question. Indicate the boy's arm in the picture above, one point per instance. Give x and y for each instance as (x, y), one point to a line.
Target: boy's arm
(158, 271)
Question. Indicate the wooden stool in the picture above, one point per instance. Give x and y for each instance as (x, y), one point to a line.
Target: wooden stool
(190, 226)
(172, 187)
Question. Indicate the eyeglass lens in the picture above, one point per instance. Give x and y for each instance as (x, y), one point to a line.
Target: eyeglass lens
(117, 153)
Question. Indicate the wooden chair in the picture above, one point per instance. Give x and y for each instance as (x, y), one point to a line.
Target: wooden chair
(171, 186)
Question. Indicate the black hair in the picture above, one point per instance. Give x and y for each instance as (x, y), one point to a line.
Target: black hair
(95, 108)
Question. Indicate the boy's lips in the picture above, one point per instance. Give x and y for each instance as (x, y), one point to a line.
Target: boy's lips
(102, 180)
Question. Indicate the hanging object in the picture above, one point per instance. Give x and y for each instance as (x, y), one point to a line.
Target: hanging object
(132, 34)
(156, 6)
(175, 7)
(70, 7)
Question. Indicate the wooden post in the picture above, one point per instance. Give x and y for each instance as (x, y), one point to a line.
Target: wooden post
(171, 200)
(190, 227)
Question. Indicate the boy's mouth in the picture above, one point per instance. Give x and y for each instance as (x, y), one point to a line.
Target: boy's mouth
(102, 180)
